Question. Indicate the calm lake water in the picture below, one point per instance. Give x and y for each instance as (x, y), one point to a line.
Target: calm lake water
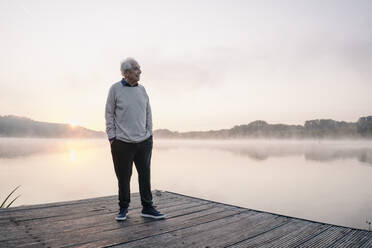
(327, 181)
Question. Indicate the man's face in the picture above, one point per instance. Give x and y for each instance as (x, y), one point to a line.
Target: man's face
(133, 75)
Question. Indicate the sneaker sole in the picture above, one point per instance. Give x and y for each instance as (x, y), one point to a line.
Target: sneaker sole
(152, 216)
(117, 218)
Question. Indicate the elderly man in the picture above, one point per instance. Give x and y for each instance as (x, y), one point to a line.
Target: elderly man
(129, 130)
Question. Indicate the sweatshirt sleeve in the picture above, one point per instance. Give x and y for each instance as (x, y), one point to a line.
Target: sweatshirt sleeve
(148, 116)
(109, 114)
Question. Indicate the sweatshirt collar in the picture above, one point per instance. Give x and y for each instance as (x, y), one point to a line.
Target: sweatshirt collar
(125, 83)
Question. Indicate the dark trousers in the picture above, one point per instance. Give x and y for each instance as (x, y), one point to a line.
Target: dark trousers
(123, 155)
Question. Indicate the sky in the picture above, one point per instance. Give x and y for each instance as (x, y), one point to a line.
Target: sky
(205, 64)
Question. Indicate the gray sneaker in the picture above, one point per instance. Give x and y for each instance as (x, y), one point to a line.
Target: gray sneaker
(151, 212)
(122, 215)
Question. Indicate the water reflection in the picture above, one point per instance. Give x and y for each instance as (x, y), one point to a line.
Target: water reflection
(258, 150)
(24, 147)
(321, 153)
(72, 155)
(261, 150)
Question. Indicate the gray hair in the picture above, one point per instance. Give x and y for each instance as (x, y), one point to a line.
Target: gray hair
(126, 65)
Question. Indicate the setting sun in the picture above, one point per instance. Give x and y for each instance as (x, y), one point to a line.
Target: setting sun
(72, 123)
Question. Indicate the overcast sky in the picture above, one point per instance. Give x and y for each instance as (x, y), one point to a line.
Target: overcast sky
(205, 64)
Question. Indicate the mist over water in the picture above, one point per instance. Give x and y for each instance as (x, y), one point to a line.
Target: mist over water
(327, 181)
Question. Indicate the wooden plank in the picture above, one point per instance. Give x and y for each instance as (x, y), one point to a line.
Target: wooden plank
(116, 236)
(330, 236)
(298, 236)
(239, 230)
(68, 212)
(213, 234)
(77, 207)
(184, 237)
(269, 239)
(246, 232)
(63, 203)
(72, 212)
(42, 227)
(354, 239)
(368, 242)
(87, 222)
(99, 231)
(326, 238)
(55, 210)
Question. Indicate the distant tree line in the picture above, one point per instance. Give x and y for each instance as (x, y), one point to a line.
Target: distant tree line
(15, 126)
(364, 126)
(320, 128)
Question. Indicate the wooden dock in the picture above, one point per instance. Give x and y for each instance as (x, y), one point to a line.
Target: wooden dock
(190, 222)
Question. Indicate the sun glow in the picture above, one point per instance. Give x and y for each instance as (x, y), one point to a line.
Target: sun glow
(72, 123)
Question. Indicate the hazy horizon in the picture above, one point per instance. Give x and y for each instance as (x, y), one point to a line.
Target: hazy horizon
(207, 65)
(160, 128)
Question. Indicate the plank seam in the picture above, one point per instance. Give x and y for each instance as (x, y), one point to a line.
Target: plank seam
(178, 228)
(254, 236)
(340, 238)
(24, 208)
(275, 238)
(307, 240)
(78, 229)
(287, 238)
(68, 203)
(134, 224)
(364, 242)
(46, 217)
